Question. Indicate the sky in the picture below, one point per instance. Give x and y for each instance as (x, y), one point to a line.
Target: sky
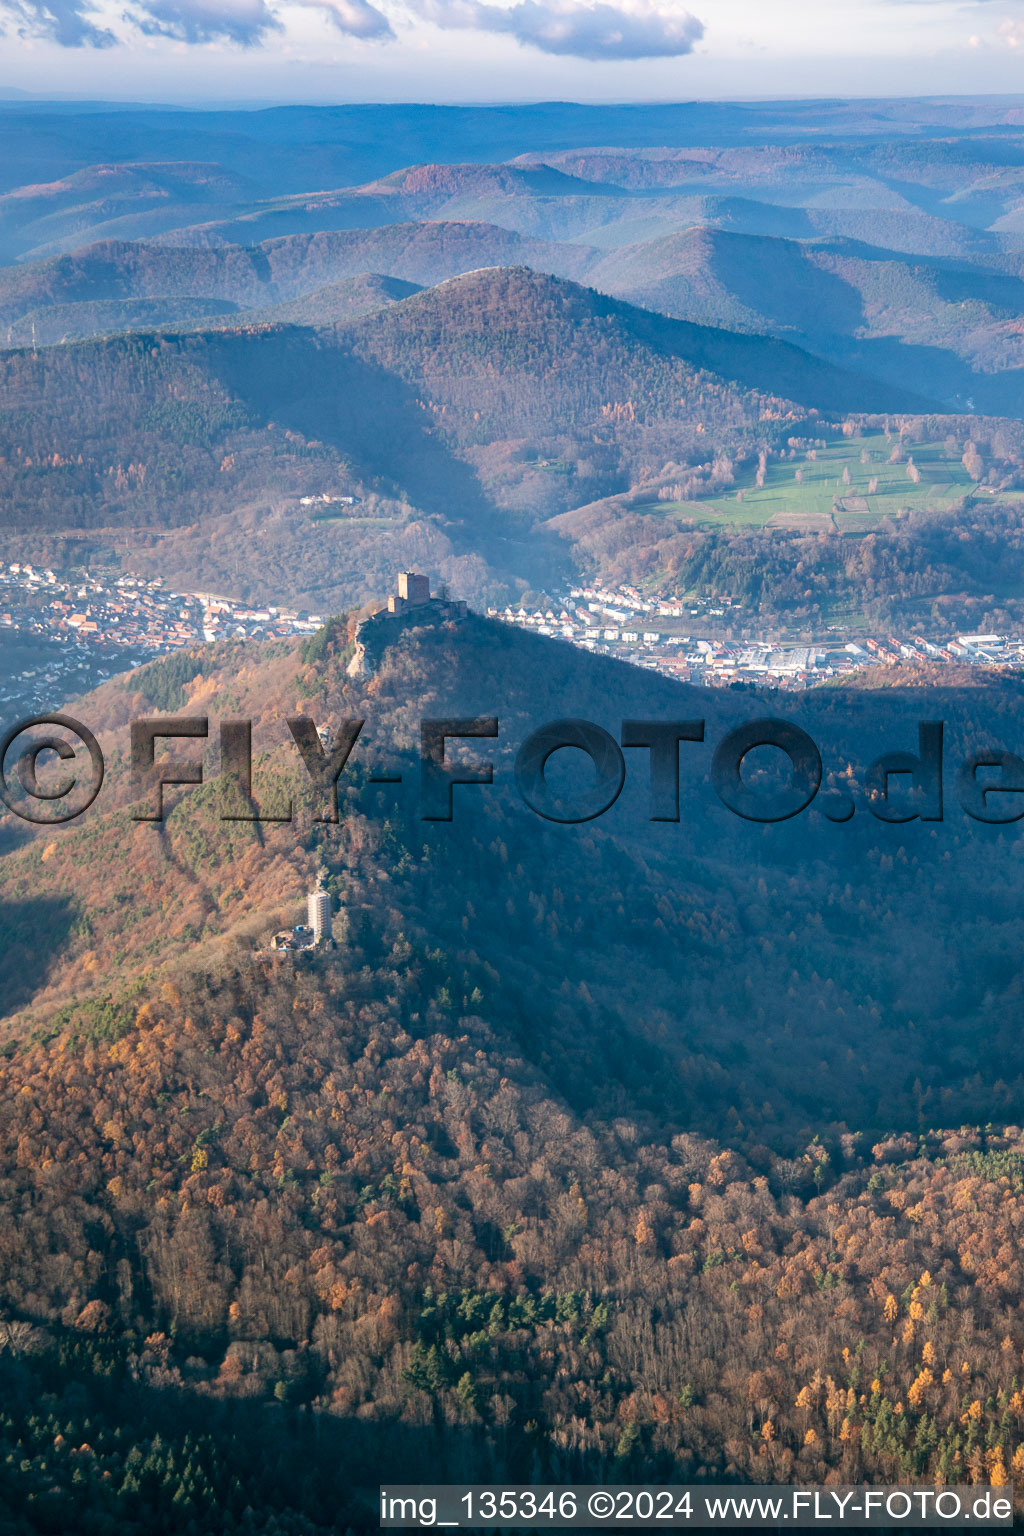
(258, 51)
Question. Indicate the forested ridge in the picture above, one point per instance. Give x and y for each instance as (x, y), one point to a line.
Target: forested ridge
(505, 429)
(537, 1175)
(201, 324)
(164, 429)
(270, 272)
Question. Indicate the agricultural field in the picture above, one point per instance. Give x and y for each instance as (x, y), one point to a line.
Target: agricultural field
(812, 493)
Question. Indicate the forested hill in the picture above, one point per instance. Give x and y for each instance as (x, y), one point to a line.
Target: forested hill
(893, 314)
(257, 276)
(521, 322)
(693, 939)
(528, 1142)
(472, 411)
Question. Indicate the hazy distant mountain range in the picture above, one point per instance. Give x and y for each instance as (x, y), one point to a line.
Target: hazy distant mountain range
(707, 285)
(864, 232)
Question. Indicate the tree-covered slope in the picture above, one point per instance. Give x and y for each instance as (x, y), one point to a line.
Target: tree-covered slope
(655, 1129)
(420, 403)
(175, 284)
(894, 316)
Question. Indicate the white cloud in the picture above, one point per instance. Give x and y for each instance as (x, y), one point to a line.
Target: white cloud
(642, 29)
(356, 18)
(59, 21)
(203, 21)
(583, 29)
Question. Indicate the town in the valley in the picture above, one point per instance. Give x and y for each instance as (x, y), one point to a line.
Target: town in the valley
(62, 633)
(697, 642)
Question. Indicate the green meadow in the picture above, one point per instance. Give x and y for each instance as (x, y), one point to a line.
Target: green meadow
(822, 500)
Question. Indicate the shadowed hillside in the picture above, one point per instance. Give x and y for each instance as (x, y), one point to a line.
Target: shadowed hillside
(536, 1137)
(486, 404)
